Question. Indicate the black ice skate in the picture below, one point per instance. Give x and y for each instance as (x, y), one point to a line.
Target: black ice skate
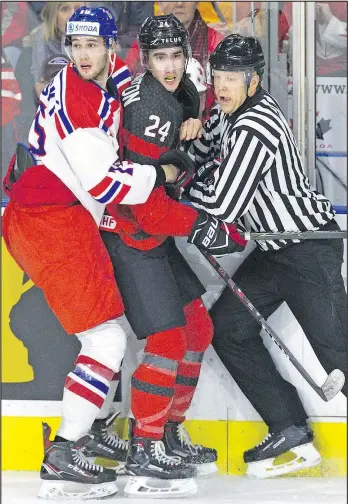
(156, 474)
(178, 442)
(106, 444)
(297, 440)
(67, 474)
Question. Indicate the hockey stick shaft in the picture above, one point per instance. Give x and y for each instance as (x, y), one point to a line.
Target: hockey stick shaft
(294, 235)
(259, 318)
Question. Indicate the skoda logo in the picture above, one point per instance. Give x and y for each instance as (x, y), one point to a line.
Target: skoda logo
(70, 27)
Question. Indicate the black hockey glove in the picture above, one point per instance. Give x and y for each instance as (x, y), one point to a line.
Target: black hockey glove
(185, 166)
(215, 236)
(205, 173)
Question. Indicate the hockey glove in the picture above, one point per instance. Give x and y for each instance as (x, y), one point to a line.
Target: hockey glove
(215, 236)
(185, 166)
(205, 173)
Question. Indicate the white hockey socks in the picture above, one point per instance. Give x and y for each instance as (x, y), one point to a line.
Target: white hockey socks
(88, 385)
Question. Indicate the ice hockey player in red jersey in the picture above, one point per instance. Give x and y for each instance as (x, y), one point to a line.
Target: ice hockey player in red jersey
(58, 189)
(161, 294)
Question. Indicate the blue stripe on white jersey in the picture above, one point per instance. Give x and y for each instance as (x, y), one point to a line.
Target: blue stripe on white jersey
(61, 111)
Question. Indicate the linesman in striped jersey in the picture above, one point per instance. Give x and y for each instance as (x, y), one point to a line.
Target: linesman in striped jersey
(260, 185)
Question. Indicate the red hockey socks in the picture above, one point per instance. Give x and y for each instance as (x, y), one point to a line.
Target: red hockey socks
(199, 332)
(153, 381)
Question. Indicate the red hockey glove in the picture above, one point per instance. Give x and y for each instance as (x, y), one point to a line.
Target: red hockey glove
(216, 237)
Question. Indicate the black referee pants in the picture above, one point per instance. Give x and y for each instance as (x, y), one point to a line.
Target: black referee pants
(308, 277)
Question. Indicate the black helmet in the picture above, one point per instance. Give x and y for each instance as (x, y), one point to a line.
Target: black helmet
(236, 53)
(163, 31)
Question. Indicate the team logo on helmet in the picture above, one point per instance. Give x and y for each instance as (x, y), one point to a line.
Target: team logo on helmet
(169, 40)
(83, 28)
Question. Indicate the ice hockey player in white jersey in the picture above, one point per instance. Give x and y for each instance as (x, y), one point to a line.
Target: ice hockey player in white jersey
(58, 190)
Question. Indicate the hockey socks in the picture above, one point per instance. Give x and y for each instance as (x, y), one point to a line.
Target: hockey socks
(85, 390)
(154, 380)
(199, 333)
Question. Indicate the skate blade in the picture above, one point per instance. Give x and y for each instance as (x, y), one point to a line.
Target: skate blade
(306, 456)
(143, 486)
(69, 490)
(206, 469)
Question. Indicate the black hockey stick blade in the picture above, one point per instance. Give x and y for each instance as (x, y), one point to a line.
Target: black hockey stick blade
(334, 381)
(333, 384)
(295, 235)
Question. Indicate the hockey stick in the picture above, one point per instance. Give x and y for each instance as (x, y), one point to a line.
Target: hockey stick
(334, 175)
(294, 235)
(333, 383)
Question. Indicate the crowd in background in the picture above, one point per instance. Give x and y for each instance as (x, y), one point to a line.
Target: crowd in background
(32, 49)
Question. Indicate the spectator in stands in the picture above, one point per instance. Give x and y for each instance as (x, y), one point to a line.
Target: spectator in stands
(46, 39)
(129, 18)
(54, 65)
(36, 7)
(331, 38)
(254, 23)
(10, 110)
(14, 26)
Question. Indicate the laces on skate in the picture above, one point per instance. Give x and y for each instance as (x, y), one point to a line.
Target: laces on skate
(159, 452)
(185, 439)
(82, 461)
(114, 440)
(267, 438)
(66, 474)
(178, 442)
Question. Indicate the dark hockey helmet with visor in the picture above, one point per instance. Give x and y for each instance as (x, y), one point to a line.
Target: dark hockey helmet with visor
(236, 53)
(162, 32)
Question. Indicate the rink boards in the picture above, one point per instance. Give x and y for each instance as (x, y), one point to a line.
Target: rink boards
(22, 446)
(36, 356)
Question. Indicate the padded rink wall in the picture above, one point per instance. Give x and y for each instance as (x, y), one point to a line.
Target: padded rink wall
(37, 355)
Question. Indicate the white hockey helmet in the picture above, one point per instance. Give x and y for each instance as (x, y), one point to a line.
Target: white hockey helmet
(197, 75)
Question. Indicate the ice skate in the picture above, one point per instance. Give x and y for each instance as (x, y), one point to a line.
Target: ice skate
(68, 475)
(178, 443)
(105, 443)
(297, 440)
(155, 474)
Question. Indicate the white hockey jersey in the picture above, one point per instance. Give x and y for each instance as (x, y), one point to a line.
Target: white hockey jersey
(74, 135)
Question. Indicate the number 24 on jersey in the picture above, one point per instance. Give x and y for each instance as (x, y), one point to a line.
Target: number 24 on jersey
(153, 129)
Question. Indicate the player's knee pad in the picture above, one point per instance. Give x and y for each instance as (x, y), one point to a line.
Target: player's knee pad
(105, 343)
(170, 343)
(199, 326)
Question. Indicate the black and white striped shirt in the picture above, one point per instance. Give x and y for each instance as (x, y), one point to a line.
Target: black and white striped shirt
(260, 184)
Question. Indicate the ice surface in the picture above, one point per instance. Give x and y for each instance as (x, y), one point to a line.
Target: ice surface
(22, 488)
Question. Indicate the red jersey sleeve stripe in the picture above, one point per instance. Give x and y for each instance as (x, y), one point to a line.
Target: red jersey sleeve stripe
(122, 194)
(142, 147)
(97, 190)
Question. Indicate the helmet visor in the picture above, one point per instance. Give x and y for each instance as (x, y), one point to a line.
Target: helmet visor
(164, 59)
(79, 47)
